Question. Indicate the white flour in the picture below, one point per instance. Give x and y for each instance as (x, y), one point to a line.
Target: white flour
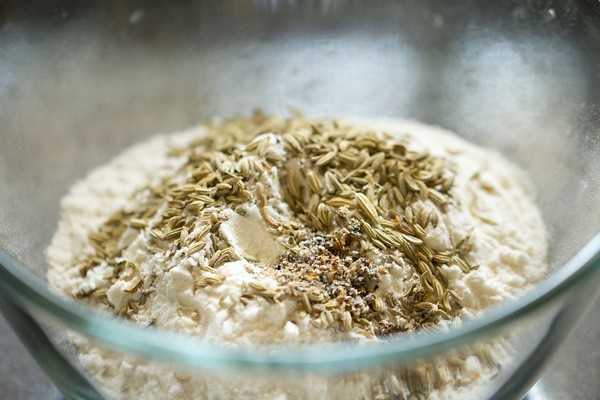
(491, 204)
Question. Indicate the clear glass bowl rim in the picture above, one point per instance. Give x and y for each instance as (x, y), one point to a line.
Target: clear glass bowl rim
(33, 294)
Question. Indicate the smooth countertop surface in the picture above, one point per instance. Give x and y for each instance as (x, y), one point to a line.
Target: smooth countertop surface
(573, 374)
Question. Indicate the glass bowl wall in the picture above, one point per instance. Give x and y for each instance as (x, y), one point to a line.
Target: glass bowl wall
(80, 81)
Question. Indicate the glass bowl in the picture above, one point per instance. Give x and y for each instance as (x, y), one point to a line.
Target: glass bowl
(80, 81)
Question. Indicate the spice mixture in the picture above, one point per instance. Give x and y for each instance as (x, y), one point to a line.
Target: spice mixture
(265, 230)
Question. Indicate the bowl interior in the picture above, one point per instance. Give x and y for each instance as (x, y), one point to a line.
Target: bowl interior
(80, 82)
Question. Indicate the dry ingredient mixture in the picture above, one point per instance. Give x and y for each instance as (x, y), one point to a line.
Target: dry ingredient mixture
(270, 230)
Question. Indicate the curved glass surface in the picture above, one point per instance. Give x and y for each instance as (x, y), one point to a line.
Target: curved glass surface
(81, 82)
(168, 346)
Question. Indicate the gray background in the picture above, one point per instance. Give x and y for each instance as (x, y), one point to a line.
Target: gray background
(574, 373)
